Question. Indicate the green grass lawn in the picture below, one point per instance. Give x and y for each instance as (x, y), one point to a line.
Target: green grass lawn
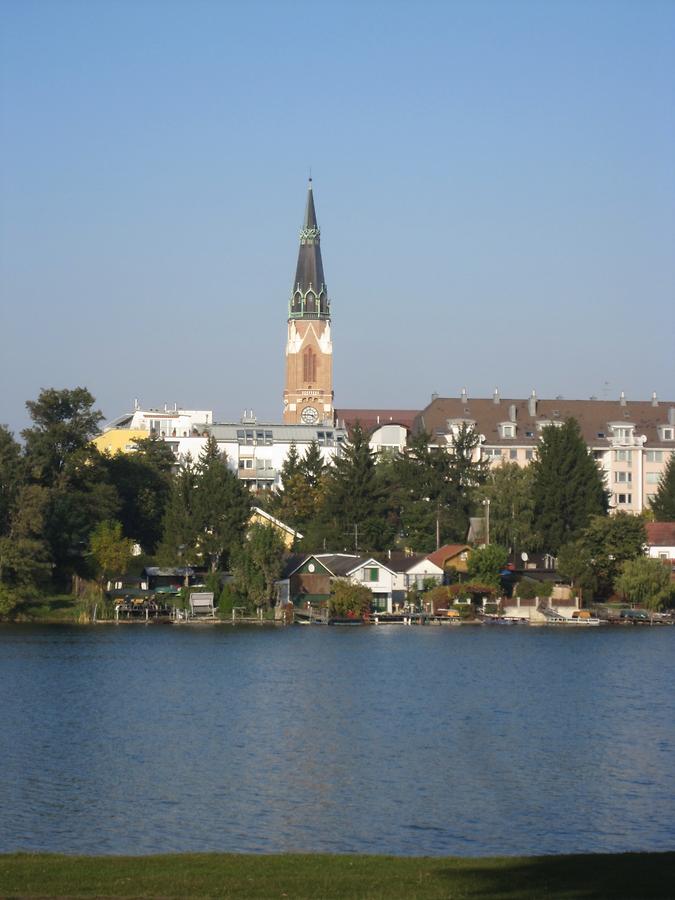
(633, 876)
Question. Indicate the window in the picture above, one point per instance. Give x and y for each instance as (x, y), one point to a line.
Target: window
(492, 452)
(654, 456)
(240, 435)
(652, 477)
(309, 366)
(623, 434)
(371, 575)
(507, 431)
(249, 438)
(667, 434)
(513, 453)
(268, 439)
(601, 434)
(623, 455)
(623, 477)
(529, 454)
(245, 463)
(624, 498)
(529, 434)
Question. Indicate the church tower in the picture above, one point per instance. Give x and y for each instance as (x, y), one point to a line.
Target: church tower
(308, 394)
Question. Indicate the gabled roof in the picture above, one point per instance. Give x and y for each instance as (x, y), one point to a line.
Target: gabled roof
(372, 419)
(369, 561)
(660, 534)
(337, 564)
(446, 552)
(276, 522)
(399, 561)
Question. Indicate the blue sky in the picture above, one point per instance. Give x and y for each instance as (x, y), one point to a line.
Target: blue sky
(495, 184)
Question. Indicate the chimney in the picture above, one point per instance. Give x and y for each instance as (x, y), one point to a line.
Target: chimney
(622, 399)
(463, 396)
(532, 404)
(655, 401)
(512, 412)
(495, 396)
(671, 415)
(434, 396)
(136, 404)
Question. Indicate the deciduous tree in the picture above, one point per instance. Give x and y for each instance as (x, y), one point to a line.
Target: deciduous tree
(645, 582)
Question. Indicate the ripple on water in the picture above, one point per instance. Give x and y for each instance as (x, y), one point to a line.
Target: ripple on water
(407, 741)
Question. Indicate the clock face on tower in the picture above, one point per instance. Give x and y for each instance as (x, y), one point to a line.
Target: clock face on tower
(309, 415)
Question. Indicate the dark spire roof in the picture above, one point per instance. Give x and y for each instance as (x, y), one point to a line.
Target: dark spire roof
(309, 297)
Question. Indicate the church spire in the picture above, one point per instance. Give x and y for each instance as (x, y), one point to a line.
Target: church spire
(309, 299)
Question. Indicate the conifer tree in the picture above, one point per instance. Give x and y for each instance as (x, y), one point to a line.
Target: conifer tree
(222, 506)
(357, 506)
(568, 487)
(312, 465)
(179, 528)
(663, 503)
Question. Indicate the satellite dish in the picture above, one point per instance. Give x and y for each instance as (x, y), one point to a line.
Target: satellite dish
(524, 556)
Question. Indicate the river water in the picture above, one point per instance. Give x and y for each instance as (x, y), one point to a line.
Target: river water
(428, 741)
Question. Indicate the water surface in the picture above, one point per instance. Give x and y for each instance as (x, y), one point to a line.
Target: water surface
(469, 741)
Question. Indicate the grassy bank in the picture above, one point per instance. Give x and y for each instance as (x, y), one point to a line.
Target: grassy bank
(632, 876)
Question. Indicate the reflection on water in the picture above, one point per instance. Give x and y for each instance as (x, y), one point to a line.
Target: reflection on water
(383, 740)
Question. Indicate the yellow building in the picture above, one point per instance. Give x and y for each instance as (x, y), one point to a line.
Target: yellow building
(119, 440)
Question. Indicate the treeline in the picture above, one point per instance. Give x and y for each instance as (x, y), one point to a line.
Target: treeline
(66, 509)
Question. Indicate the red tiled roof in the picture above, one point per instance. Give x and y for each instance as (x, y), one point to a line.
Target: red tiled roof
(660, 534)
(447, 551)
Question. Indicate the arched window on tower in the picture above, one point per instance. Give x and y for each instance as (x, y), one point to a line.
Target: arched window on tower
(309, 366)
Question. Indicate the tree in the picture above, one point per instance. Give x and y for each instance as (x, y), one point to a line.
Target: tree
(348, 600)
(11, 476)
(594, 559)
(486, 563)
(179, 525)
(312, 465)
(25, 561)
(356, 503)
(110, 549)
(645, 582)
(64, 421)
(437, 488)
(143, 483)
(568, 487)
(663, 502)
(257, 564)
(80, 497)
(509, 489)
(222, 506)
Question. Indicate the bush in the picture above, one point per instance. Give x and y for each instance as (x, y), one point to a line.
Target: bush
(349, 600)
(227, 601)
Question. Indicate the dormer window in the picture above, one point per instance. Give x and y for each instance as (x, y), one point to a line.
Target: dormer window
(506, 430)
(666, 432)
(621, 431)
(544, 423)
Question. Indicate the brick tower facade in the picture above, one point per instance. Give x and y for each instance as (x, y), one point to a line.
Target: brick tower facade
(308, 392)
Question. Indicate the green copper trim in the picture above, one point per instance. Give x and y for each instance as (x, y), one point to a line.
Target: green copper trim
(310, 235)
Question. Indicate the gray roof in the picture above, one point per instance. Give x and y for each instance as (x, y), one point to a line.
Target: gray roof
(227, 431)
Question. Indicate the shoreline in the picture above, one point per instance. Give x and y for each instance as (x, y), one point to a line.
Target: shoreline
(624, 876)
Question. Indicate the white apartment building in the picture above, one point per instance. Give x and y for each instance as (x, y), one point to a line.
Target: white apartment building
(631, 440)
